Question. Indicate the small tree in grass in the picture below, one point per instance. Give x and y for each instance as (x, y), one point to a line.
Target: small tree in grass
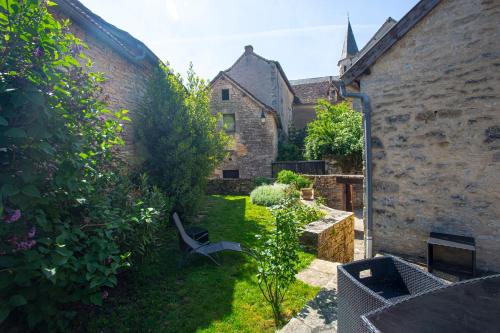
(278, 258)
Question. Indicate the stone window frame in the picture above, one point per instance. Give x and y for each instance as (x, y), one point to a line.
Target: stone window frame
(232, 130)
(231, 174)
(223, 94)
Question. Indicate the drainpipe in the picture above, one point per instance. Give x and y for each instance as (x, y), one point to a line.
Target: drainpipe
(367, 110)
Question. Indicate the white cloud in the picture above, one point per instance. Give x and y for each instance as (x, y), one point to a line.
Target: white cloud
(172, 11)
(261, 34)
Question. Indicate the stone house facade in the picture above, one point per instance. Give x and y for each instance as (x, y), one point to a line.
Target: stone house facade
(125, 61)
(253, 128)
(434, 85)
(254, 99)
(307, 94)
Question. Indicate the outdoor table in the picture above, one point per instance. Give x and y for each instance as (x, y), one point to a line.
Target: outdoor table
(469, 306)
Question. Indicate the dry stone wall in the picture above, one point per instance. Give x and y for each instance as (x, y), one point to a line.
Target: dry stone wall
(333, 189)
(332, 237)
(436, 132)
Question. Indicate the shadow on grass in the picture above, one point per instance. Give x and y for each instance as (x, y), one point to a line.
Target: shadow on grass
(159, 297)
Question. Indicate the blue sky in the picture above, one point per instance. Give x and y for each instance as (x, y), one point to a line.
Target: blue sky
(305, 36)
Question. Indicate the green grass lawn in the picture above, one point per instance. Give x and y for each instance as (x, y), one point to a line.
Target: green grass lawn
(201, 297)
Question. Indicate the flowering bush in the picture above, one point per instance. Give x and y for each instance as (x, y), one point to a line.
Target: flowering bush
(69, 218)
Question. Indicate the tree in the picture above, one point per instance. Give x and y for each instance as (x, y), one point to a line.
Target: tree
(178, 136)
(337, 132)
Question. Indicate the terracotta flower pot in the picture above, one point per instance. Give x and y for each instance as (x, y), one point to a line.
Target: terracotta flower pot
(307, 193)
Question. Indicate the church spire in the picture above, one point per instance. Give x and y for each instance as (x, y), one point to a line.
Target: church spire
(350, 47)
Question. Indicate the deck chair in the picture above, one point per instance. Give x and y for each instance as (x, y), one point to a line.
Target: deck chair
(206, 249)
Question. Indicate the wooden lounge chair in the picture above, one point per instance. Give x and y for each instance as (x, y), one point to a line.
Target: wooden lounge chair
(206, 249)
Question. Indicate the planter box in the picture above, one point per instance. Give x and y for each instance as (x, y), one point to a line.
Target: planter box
(307, 194)
(366, 285)
(331, 237)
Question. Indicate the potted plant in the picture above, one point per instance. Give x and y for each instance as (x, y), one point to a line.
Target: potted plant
(307, 193)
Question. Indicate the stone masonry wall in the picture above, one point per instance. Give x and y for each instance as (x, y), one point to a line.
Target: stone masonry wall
(436, 132)
(333, 190)
(255, 145)
(262, 78)
(125, 81)
(332, 237)
(230, 186)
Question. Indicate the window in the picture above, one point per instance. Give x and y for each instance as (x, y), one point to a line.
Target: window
(228, 122)
(230, 173)
(225, 94)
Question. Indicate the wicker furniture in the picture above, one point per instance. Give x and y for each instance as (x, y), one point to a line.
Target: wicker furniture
(469, 306)
(366, 285)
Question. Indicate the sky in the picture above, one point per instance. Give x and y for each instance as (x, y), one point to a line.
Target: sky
(305, 36)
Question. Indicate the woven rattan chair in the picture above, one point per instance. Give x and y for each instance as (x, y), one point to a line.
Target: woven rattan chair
(366, 285)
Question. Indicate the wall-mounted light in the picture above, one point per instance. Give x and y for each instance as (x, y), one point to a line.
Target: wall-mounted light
(262, 117)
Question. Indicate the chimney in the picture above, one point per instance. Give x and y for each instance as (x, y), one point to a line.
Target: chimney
(248, 49)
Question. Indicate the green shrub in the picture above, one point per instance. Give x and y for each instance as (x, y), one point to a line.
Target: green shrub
(268, 195)
(178, 138)
(307, 214)
(258, 181)
(337, 131)
(70, 219)
(293, 179)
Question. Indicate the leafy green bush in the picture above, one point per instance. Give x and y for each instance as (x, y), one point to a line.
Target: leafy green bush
(336, 131)
(69, 218)
(307, 214)
(291, 148)
(178, 137)
(268, 195)
(262, 181)
(293, 179)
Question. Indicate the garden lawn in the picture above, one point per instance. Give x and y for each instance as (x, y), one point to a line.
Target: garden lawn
(201, 297)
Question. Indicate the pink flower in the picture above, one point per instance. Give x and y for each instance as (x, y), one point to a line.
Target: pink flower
(38, 52)
(104, 294)
(102, 118)
(32, 232)
(108, 260)
(12, 216)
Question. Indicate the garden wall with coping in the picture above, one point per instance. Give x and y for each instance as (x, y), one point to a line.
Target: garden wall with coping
(331, 237)
(230, 186)
(333, 189)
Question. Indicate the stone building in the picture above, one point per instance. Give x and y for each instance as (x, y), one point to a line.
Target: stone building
(255, 100)
(434, 84)
(125, 61)
(307, 94)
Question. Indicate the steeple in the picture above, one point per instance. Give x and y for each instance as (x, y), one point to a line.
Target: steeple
(350, 47)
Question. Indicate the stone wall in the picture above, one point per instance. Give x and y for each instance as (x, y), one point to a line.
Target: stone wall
(333, 187)
(230, 186)
(436, 132)
(255, 145)
(332, 237)
(263, 79)
(125, 80)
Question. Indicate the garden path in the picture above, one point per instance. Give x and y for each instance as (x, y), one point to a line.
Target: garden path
(320, 314)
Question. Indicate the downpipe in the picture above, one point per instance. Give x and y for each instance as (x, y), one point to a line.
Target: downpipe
(366, 110)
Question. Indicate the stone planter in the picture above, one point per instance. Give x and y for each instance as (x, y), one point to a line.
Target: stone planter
(307, 193)
(331, 237)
